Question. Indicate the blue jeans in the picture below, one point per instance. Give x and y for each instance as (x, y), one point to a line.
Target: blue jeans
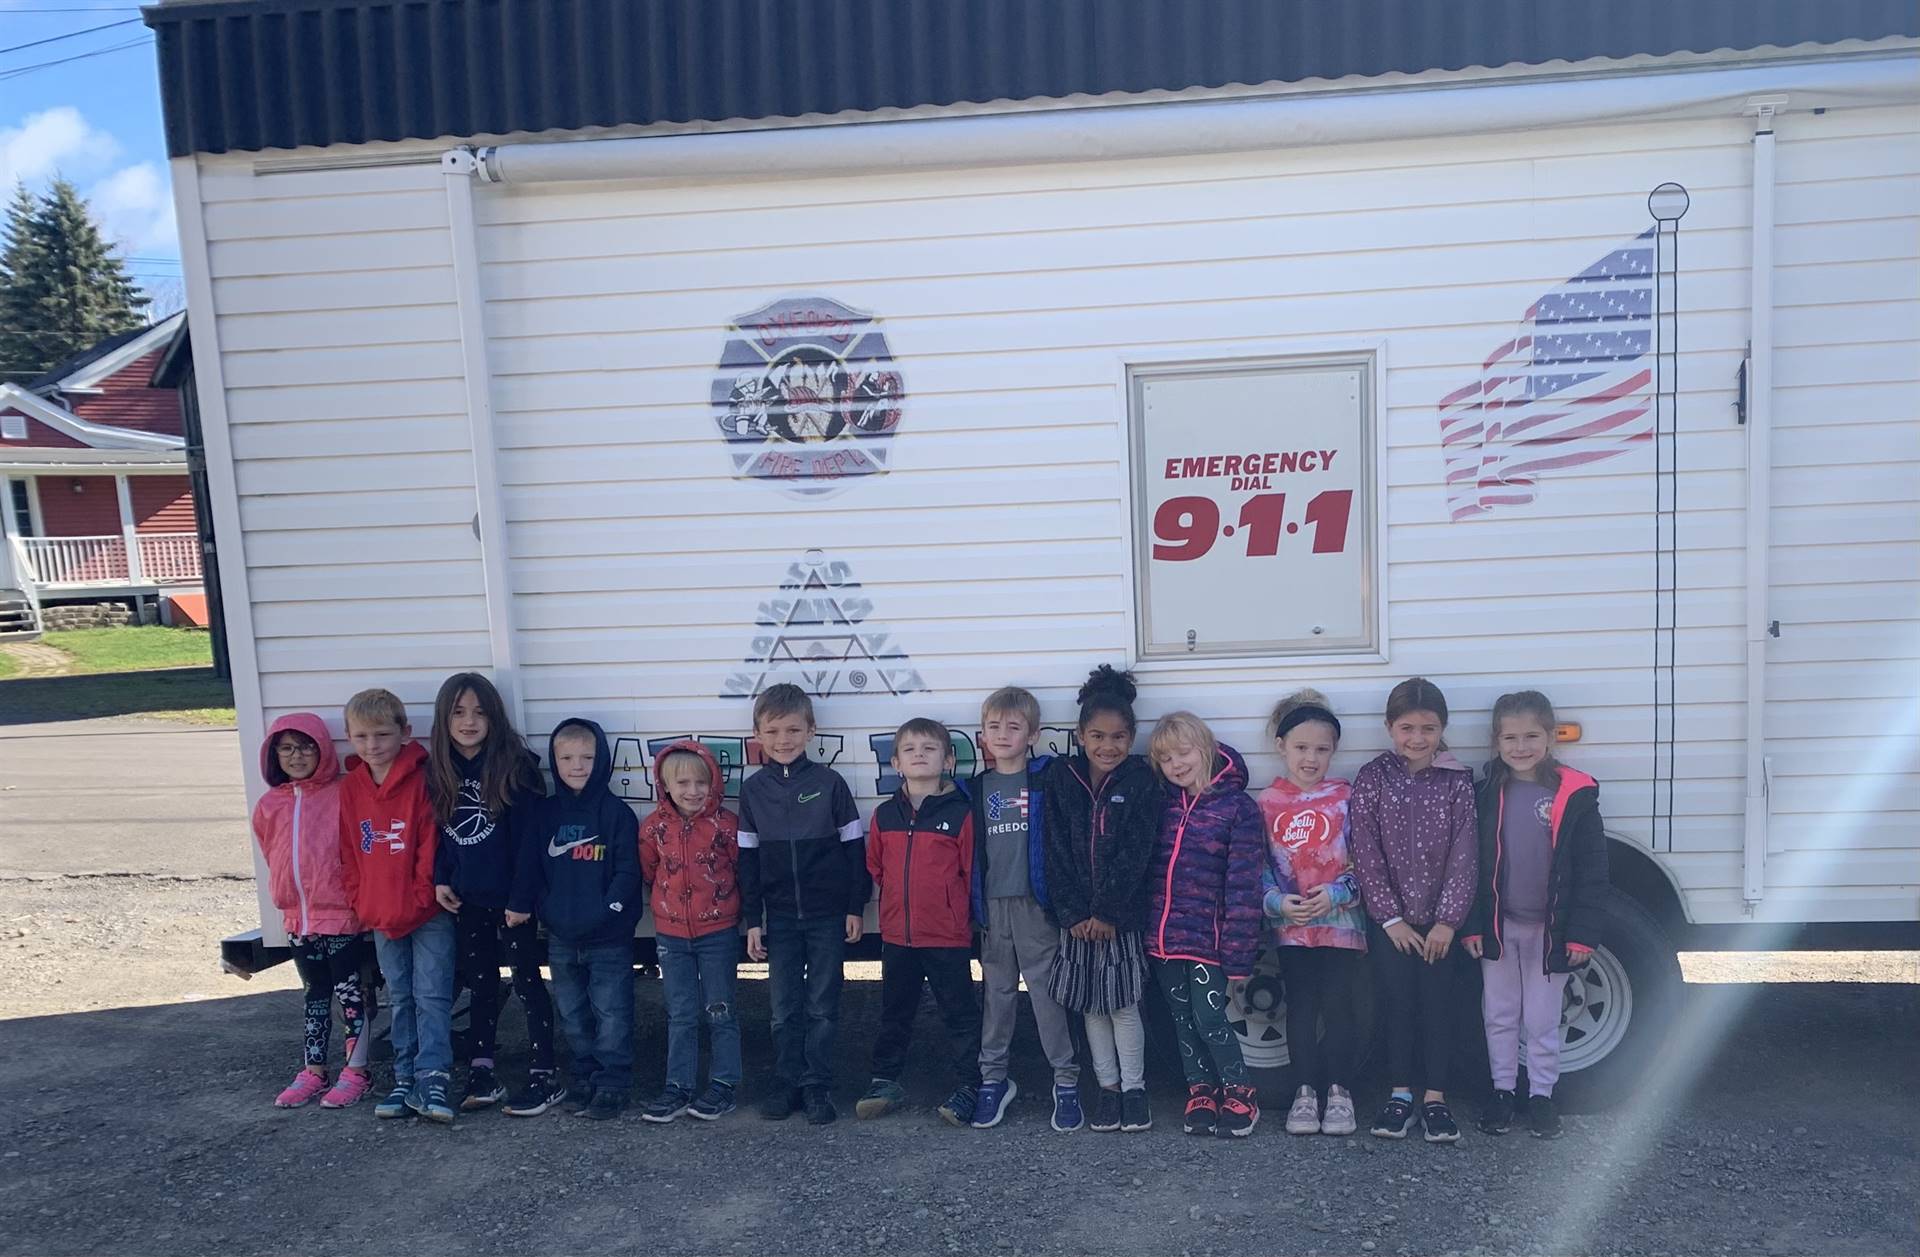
(593, 994)
(419, 972)
(805, 958)
(698, 975)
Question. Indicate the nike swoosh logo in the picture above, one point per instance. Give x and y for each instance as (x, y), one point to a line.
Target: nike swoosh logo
(808, 798)
(557, 851)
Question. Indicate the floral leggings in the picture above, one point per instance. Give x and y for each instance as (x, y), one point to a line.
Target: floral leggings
(1197, 999)
(329, 964)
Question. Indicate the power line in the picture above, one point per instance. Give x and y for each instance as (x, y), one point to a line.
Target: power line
(17, 71)
(54, 39)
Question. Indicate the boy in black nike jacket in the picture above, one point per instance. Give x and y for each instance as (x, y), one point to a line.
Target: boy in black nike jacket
(580, 870)
(803, 868)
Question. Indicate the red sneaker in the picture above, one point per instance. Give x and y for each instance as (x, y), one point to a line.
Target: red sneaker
(1203, 1109)
(1238, 1111)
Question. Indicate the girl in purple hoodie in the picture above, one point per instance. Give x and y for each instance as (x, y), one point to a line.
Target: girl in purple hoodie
(1416, 854)
(1204, 924)
(297, 824)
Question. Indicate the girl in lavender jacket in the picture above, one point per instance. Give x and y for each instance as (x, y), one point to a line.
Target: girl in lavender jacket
(1416, 853)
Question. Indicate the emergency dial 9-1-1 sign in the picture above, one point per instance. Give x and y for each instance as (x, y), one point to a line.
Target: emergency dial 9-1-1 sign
(1254, 508)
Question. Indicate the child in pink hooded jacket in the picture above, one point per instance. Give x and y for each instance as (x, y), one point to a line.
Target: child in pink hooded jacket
(297, 824)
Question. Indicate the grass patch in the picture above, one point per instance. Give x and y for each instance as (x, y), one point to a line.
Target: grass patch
(7, 666)
(188, 695)
(132, 649)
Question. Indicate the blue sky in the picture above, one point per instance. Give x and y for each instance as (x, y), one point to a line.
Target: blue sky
(95, 120)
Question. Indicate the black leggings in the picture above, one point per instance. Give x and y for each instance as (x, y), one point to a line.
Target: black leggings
(1417, 1002)
(485, 940)
(1320, 987)
(329, 965)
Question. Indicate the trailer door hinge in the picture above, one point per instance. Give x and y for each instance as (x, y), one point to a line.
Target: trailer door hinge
(1773, 628)
(1740, 388)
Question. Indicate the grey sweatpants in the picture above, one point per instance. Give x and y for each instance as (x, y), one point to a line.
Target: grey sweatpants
(1021, 942)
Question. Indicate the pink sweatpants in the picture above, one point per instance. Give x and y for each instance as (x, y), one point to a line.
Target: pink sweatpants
(1519, 997)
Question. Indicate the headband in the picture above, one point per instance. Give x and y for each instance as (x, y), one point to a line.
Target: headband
(1302, 714)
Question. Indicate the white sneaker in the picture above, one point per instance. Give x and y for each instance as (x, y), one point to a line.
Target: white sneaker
(1339, 1119)
(1304, 1117)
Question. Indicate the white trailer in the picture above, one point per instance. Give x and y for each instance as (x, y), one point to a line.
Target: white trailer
(1599, 377)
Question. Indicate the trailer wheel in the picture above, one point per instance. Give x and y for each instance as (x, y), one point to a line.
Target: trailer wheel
(1617, 1009)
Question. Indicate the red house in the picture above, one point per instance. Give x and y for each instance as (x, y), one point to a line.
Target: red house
(95, 501)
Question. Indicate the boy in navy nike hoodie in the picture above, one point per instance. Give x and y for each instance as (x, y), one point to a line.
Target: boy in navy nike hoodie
(580, 870)
(803, 897)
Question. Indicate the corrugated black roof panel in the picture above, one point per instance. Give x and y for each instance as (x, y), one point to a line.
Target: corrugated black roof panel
(254, 74)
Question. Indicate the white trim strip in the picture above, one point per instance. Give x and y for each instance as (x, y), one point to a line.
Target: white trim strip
(1193, 128)
(747, 839)
(94, 372)
(210, 380)
(489, 508)
(853, 831)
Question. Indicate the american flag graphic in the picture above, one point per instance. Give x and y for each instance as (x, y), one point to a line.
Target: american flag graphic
(1010, 805)
(1573, 386)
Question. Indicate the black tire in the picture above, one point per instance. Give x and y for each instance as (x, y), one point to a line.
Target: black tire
(1633, 947)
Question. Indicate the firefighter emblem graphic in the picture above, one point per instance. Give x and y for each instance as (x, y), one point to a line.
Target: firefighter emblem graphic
(807, 395)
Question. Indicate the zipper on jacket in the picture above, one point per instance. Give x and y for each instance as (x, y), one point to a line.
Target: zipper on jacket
(1499, 849)
(299, 882)
(793, 848)
(906, 871)
(1166, 905)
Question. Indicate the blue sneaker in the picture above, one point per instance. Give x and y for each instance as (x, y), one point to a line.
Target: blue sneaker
(429, 1098)
(993, 1102)
(1066, 1108)
(394, 1103)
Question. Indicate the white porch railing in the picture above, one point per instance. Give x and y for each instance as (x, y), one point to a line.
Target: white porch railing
(164, 557)
(169, 556)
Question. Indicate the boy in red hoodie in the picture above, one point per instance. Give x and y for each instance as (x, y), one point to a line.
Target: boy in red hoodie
(689, 857)
(387, 836)
(920, 854)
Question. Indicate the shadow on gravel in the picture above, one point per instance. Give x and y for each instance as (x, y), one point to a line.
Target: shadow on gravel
(152, 1130)
(34, 700)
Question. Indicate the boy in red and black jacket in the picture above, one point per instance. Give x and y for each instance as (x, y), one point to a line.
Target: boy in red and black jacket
(920, 854)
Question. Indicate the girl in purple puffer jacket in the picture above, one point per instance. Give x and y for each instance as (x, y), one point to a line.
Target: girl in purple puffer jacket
(1204, 928)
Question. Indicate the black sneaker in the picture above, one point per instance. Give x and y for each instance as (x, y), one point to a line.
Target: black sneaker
(1203, 1109)
(714, 1105)
(1106, 1110)
(607, 1105)
(1395, 1118)
(1438, 1119)
(1135, 1113)
(819, 1105)
(666, 1106)
(579, 1095)
(1239, 1110)
(957, 1109)
(1543, 1118)
(1498, 1119)
(394, 1103)
(782, 1104)
(542, 1092)
(483, 1090)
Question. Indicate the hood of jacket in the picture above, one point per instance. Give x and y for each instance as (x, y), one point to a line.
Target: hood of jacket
(303, 722)
(715, 796)
(1229, 774)
(602, 762)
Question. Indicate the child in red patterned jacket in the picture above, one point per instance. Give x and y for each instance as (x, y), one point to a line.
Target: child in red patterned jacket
(1203, 928)
(689, 854)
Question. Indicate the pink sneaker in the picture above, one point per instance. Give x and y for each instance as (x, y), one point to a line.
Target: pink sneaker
(347, 1089)
(305, 1086)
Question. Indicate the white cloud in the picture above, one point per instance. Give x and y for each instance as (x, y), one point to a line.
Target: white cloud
(55, 141)
(134, 206)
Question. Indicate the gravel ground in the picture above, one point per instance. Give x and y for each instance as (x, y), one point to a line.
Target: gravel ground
(139, 1119)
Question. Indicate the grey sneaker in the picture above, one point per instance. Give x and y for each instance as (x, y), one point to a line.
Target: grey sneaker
(714, 1105)
(1338, 1119)
(883, 1096)
(1304, 1117)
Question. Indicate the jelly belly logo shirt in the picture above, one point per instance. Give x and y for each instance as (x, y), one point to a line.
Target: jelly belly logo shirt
(806, 394)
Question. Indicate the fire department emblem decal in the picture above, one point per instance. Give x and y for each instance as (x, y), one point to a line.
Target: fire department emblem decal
(807, 395)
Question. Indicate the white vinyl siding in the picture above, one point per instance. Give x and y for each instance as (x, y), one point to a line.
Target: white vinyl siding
(996, 550)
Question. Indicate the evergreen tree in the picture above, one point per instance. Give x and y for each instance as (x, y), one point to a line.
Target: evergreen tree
(63, 288)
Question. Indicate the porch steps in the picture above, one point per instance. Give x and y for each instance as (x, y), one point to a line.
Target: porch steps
(19, 618)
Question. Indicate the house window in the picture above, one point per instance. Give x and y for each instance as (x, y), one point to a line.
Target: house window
(1256, 507)
(13, 427)
(22, 507)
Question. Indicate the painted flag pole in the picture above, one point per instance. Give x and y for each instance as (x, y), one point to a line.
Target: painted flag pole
(1668, 204)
